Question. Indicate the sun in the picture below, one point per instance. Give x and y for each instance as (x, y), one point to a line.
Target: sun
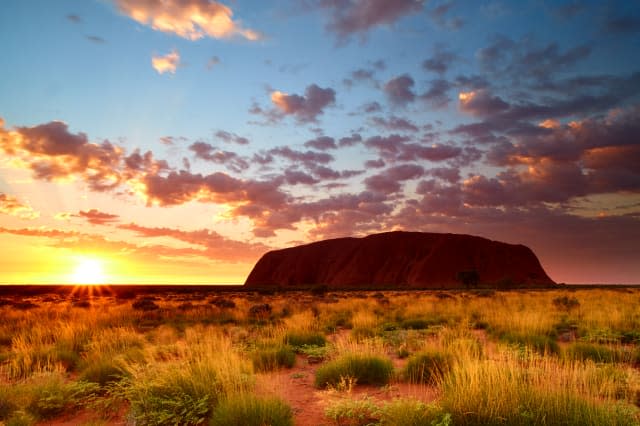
(88, 272)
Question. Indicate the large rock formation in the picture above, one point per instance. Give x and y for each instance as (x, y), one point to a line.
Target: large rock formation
(403, 260)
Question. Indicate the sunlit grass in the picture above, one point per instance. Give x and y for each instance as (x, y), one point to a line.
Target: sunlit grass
(496, 358)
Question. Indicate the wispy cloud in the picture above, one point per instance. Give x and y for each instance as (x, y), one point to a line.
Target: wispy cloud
(11, 205)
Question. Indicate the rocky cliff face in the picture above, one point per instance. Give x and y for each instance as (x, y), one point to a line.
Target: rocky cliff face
(403, 260)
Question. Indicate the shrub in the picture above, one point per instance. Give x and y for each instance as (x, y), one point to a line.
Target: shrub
(421, 323)
(184, 390)
(365, 368)
(566, 303)
(103, 371)
(409, 412)
(354, 412)
(223, 303)
(272, 358)
(49, 395)
(427, 366)
(145, 304)
(260, 311)
(7, 404)
(298, 339)
(249, 410)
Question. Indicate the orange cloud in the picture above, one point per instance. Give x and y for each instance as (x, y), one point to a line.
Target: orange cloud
(190, 19)
(14, 207)
(53, 154)
(166, 63)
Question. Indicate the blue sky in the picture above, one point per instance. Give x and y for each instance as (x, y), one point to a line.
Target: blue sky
(511, 120)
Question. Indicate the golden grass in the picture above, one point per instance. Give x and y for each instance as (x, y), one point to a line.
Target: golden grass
(200, 353)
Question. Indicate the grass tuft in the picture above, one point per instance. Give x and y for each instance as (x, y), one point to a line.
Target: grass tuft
(364, 368)
(249, 410)
(427, 367)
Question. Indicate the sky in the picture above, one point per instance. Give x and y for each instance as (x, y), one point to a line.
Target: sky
(176, 141)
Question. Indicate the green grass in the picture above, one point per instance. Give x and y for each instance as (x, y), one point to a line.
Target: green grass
(249, 410)
(427, 366)
(298, 339)
(542, 344)
(600, 353)
(399, 412)
(103, 371)
(271, 358)
(364, 368)
(533, 391)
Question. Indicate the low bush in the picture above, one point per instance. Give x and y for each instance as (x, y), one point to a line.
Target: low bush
(249, 410)
(410, 412)
(364, 368)
(145, 304)
(273, 357)
(427, 367)
(566, 303)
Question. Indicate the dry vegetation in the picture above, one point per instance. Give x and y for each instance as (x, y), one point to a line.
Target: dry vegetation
(391, 358)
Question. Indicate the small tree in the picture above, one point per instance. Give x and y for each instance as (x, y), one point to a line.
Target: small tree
(469, 278)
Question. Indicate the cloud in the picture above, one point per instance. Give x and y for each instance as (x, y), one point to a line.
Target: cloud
(305, 108)
(96, 217)
(51, 152)
(231, 160)
(438, 16)
(622, 25)
(177, 188)
(96, 39)
(394, 123)
(352, 140)
(348, 17)
(481, 103)
(321, 143)
(399, 90)
(74, 19)
(440, 61)
(212, 62)
(375, 164)
(208, 244)
(229, 137)
(516, 61)
(11, 205)
(447, 174)
(371, 107)
(308, 158)
(190, 19)
(216, 246)
(436, 95)
(167, 63)
(388, 181)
